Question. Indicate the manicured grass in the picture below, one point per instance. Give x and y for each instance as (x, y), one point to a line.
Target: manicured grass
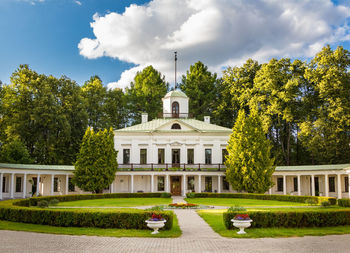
(215, 220)
(17, 226)
(117, 202)
(240, 202)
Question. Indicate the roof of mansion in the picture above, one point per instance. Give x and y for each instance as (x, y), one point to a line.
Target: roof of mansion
(196, 125)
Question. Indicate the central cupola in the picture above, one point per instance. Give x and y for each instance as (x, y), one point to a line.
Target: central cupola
(175, 105)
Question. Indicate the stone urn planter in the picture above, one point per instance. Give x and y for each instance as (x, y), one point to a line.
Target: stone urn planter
(155, 225)
(155, 222)
(241, 221)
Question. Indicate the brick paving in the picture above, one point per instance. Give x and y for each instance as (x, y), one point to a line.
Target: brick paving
(197, 237)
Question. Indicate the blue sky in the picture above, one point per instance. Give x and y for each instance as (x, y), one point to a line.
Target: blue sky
(55, 37)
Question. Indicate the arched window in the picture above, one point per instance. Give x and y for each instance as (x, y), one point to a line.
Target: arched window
(175, 109)
(175, 126)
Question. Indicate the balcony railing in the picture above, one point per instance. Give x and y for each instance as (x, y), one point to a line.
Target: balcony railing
(175, 115)
(172, 167)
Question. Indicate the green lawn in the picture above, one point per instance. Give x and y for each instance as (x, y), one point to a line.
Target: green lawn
(117, 202)
(240, 202)
(215, 220)
(17, 226)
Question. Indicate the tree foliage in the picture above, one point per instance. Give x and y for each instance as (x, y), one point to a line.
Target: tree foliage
(200, 85)
(96, 163)
(145, 94)
(14, 152)
(249, 165)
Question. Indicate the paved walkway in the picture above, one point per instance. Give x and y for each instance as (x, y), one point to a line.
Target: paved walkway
(197, 236)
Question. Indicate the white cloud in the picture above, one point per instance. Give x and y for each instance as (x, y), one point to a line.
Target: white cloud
(77, 2)
(219, 33)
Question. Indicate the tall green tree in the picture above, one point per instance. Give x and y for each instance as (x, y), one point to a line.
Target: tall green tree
(249, 165)
(44, 112)
(14, 152)
(96, 164)
(325, 130)
(235, 92)
(145, 94)
(95, 94)
(200, 85)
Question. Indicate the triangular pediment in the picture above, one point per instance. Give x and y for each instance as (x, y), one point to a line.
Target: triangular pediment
(168, 126)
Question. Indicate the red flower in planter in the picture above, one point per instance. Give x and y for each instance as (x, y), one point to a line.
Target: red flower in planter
(242, 217)
(156, 217)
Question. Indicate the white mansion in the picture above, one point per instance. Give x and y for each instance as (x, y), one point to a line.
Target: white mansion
(174, 154)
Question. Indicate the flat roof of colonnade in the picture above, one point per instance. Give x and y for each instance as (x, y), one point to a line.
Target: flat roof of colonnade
(70, 168)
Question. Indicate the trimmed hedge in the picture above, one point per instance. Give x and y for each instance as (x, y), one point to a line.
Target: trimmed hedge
(344, 202)
(21, 211)
(293, 219)
(64, 198)
(289, 198)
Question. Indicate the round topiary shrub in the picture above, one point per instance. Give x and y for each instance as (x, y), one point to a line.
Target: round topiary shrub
(325, 203)
(43, 204)
(53, 202)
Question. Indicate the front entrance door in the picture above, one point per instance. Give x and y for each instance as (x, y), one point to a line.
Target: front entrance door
(175, 185)
(176, 157)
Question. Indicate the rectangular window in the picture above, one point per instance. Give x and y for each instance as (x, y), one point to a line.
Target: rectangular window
(55, 184)
(160, 183)
(346, 183)
(280, 184)
(225, 184)
(143, 156)
(161, 155)
(208, 156)
(4, 184)
(295, 182)
(224, 154)
(126, 156)
(190, 183)
(208, 184)
(331, 184)
(190, 156)
(18, 184)
(71, 186)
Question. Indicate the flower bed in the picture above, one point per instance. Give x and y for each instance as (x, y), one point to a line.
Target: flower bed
(183, 205)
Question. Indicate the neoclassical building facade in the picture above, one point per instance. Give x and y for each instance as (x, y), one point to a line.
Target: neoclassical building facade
(175, 154)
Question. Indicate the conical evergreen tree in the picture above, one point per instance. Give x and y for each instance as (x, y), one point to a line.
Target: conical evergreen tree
(96, 163)
(249, 165)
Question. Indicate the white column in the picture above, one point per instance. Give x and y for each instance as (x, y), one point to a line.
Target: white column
(219, 184)
(270, 191)
(339, 186)
(167, 184)
(111, 188)
(132, 183)
(52, 181)
(199, 183)
(299, 186)
(152, 183)
(312, 185)
(1, 179)
(67, 184)
(183, 185)
(326, 185)
(38, 185)
(12, 185)
(284, 185)
(24, 185)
